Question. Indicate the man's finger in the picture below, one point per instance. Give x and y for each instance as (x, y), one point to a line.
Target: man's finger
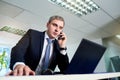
(20, 71)
(15, 72)
(28, 71)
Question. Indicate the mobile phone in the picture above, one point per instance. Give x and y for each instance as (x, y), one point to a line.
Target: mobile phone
(60, 37)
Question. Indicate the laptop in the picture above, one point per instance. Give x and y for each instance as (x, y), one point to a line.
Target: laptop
(86, 58)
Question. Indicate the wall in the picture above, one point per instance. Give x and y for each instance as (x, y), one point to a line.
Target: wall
(8, 38)
(113, 49)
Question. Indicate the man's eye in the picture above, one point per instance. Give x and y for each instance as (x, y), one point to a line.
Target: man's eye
(54, 24)
(61, 27)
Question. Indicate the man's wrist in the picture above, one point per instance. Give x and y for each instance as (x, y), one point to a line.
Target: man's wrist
(17, 63)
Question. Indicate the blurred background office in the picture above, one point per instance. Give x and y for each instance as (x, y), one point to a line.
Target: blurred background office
(98, 21)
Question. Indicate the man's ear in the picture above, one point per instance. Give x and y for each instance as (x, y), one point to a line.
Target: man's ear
(47, 25)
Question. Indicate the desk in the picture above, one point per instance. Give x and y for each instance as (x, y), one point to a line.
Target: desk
(64, 77)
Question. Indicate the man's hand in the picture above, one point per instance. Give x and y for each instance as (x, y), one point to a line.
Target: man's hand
(62, 40)
(21, 70)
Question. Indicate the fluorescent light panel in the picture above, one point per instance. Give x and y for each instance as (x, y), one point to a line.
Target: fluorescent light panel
(13, 30)
(78, 7)
(118, 36)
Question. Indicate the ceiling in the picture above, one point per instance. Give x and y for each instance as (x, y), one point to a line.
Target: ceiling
(103, 23)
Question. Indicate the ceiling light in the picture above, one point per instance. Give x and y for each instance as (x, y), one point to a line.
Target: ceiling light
(13, 30)
(118, 36)
(78, 7)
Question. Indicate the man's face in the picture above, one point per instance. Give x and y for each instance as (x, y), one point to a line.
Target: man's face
(54, 28)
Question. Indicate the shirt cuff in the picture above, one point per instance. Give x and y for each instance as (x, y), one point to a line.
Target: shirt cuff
(17, 64)
(63, 52)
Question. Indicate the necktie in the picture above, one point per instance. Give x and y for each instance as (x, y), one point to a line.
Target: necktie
(45, 61)
(47, 54)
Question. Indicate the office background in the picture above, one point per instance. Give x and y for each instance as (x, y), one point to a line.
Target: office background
(100, 26)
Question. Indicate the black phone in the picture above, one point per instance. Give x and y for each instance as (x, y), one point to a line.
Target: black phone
(60, 37)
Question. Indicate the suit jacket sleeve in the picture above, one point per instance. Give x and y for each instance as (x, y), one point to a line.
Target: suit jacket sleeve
(18, 51)
(63, 60)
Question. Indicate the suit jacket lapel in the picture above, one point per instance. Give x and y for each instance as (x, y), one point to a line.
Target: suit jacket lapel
(53, 61)
(42, 42)
(38, 45)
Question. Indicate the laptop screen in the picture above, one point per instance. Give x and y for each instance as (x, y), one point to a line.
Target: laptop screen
(86, 58)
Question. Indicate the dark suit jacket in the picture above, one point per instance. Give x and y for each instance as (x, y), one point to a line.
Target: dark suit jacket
(29, 49)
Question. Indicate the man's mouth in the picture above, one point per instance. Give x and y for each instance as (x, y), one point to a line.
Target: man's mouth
(55, 34)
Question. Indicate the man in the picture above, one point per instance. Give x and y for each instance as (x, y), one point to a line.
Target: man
(28, 54)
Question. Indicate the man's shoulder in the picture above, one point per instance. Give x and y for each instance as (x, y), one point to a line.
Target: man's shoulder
(33, 30)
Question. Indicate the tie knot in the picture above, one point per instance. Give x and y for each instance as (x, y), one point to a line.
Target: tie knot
(49, 40)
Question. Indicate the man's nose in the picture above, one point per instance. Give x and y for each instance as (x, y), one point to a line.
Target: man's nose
(57, 29)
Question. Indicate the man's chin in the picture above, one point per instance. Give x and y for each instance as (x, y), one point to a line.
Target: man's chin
(53, 37)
